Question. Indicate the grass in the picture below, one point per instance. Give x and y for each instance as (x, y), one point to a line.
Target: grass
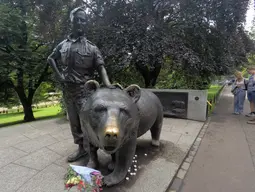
(212, 92)
(17, 117)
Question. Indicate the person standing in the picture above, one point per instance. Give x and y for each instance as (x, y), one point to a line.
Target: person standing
(79, 59)
(251, 93)
(239, 91)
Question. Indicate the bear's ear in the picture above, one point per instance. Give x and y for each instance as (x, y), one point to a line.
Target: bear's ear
(134, 91)
(117, 85)
(92, 85)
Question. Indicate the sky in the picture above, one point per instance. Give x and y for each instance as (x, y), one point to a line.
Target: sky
(250, 15)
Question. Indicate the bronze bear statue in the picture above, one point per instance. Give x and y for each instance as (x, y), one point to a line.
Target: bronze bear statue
(113, 118)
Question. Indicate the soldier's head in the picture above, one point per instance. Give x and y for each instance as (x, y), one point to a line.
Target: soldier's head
(78, 20)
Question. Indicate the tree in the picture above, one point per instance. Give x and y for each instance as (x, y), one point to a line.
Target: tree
(29, 30)
(203, 38)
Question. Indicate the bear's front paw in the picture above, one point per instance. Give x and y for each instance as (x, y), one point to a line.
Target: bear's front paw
(155, 143)
(113, 179)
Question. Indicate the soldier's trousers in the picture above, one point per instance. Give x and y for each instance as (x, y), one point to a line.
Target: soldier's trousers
(74, 96)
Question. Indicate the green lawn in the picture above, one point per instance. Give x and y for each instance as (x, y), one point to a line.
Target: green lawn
(13, 118)
(214, 89)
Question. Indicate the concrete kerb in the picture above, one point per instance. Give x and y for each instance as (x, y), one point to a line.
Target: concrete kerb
(176, 183)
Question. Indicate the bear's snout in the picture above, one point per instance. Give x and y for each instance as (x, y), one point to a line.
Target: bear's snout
(111, 134)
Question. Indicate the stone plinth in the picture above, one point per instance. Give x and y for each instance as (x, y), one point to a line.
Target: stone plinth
(183, 103)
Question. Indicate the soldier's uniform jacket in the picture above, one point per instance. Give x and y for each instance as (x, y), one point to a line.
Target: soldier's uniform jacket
(78, 58)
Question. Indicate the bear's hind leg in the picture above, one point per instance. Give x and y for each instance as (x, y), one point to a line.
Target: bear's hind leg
(156, 131)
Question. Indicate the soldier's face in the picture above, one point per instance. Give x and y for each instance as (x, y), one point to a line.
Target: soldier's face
(79, 22)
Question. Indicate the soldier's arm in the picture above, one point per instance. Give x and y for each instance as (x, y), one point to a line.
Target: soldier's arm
(52, 60)
(99, 64)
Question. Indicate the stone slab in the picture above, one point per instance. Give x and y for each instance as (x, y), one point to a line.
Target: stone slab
(11, 140)
(181, 174)
(165, 136)
(34, 133)
(197, 102)
(186, 141)
(39, 159)
(175, 185)
(62, 135)
(43, 124)
(63, 148)
(47, 129)
(35, 144)
(155, 177)
(174, 104)
(197, 109)
(9, 155)
(12, 177)
(48, 180)
(190, 129)
(63, 162)
(156, 168)
(15, 130)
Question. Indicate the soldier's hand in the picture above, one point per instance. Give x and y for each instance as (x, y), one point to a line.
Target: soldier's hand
(111, 86)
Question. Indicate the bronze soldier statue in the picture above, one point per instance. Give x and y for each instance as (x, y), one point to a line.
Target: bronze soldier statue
(79, 60)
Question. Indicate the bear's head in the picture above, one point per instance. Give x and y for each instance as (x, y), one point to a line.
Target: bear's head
(110, 116)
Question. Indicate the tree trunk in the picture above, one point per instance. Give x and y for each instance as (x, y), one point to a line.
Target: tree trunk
(154, 75)
(149, 76)
(144, 71)
(26, 103)
(28, 112)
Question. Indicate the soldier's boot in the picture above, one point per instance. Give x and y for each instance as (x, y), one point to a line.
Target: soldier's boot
(77, 154)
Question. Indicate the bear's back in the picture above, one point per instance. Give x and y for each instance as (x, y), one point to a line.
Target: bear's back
(150, 108)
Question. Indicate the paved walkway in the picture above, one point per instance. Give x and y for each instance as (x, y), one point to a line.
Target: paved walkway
(226, 157)
(33, 155)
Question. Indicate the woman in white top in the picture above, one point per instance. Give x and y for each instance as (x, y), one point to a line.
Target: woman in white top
(239, 91)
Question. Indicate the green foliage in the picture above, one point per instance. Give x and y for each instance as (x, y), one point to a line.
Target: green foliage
(203, 38)
(29, 30)
(213, 96)
(127, 76)
(41, 93)
(8, 97)
(213, 90)
(169, 79)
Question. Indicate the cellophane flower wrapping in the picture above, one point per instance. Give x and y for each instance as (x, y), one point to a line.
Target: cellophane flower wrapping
(84, 178)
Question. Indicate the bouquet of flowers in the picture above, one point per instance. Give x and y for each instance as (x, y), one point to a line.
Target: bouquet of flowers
(86, 179)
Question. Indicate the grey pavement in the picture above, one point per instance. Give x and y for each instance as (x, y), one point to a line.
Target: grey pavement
(226, 157)
(33, 156)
